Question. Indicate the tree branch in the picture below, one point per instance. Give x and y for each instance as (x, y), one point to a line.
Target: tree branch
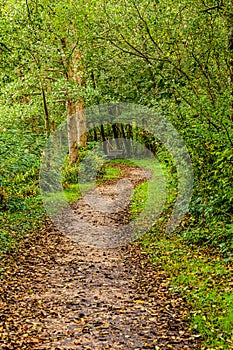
(217, 7)
(147, 29)
(5, 47)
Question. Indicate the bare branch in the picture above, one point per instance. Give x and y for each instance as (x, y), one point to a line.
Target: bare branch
(217, 7)
(147, 29)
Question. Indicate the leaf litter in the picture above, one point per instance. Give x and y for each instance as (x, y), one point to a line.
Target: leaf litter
(60, 294)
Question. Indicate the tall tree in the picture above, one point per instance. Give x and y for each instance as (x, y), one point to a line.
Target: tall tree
(45, 42)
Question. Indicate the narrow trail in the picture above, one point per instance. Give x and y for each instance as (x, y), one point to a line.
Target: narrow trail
(101, 217)
(60, 294)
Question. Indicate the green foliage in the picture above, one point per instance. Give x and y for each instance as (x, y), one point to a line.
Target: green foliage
(152, 195)
(201, 275)
(173, 56)
(21, 210)
(70, 174)
(17, 223)
(91, 166)
(107, 173)
(138, 200)
(20, 151)
(203, 278)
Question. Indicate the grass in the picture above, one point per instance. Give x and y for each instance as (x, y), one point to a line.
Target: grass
(15, 225)
(138, 200)
(150, 195)
(204, 279)
(201, 275)
(109, 173)
(73, 191)
(27, 213)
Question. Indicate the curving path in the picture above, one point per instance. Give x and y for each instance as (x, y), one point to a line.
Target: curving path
(60, 294)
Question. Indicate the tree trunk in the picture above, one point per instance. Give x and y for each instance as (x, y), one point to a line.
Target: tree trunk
(95, 134)
(103, 138)
(230, 49)
(126, 141)
(81, 124)
(46, 112)
(115, 134)
(76, 119)
(72, 132)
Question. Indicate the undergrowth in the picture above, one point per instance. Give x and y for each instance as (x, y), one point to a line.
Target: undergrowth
(202, 274)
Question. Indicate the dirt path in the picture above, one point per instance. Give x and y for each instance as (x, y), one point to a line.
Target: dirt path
(101, 218)
(60, 294)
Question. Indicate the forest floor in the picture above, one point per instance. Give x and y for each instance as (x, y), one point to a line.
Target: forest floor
(57, 293)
